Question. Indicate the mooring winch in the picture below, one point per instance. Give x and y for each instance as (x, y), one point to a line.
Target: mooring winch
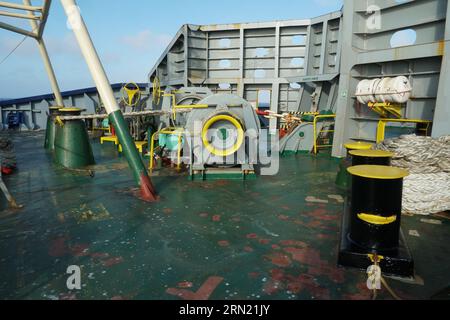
(222, 138)
(216, 135)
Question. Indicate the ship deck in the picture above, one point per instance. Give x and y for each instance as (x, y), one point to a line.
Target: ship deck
(275, 237)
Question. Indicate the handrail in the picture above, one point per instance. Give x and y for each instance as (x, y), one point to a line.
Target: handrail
(381, 128)
(316, 119)
(175, 107)
(169, 131)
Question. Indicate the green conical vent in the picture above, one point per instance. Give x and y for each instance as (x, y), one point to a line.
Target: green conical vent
(344, 179)
(50, 133)
(72, 147)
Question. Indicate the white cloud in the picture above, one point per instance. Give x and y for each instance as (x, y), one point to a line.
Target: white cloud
(26, 49)
(146, 40)
(56, 46)
(328, 3)
(110, 57)
(66, 45)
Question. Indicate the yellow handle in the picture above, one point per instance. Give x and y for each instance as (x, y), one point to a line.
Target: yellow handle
(59, 121)
(377, 220)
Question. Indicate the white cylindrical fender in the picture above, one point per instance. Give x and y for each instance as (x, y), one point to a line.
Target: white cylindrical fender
(401, 88)
(381, 90)
(365, 90)
(385, 90)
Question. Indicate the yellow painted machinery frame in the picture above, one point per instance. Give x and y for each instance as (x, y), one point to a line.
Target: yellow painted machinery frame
(176, 107)
(139, 146)
(316, 133)
(113, 139)
(381, 129)
(384, 109)
(109, 138)
(158, 93)
(169, 131)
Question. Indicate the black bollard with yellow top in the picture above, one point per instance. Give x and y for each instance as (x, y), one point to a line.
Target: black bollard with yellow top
(372, 220)
(343, 179)
(72, 147)
(371, 157)
(50, 133)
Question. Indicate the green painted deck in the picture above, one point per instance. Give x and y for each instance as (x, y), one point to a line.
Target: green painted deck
(253, 240)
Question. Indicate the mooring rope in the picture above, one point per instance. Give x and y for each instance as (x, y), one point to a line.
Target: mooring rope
(126, 115)
(427, 189)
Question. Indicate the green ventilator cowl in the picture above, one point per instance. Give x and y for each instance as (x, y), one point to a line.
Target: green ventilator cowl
(50, 133)
(72, 147)
(342, 178)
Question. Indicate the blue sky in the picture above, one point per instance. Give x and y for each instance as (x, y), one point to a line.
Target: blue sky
(129, 36)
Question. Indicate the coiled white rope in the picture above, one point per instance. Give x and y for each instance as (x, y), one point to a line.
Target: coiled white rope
(125, 115)
(427, 189)
(425, 194)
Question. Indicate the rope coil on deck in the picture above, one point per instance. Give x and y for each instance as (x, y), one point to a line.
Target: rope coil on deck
(427, 193)
(427, 189)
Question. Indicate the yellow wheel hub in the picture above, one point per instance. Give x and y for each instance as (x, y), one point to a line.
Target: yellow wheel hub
(131, 94)
(156, 97)
(239, 139)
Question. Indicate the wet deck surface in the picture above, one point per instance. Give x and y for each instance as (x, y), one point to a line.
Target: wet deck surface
(219, 240)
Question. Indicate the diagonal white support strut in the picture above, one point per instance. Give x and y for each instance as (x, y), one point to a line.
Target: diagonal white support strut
(106, 93)
(90, 55)
(44, 54)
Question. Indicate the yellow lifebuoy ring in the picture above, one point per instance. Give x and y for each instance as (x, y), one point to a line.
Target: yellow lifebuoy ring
(229, 151)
